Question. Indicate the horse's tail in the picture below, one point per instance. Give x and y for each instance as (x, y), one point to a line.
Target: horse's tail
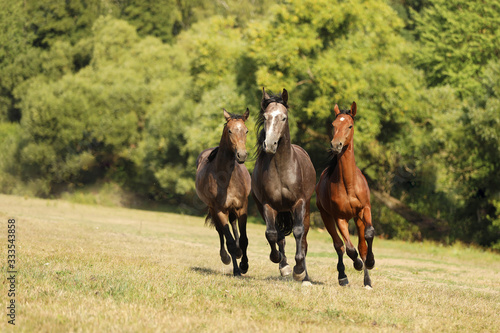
(209, 221)
(284, 222)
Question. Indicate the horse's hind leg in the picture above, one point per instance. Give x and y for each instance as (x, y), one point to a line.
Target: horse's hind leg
(350, 249)
(230, 242)
(369, 234)
(363, 250)
(285, 268)
(242, 223)
(232, 219)
(338, 244)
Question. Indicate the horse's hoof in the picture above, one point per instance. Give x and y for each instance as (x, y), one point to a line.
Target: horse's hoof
(285, 270)
(306, 283)
(243, 267)
(368, 287)
(358, 264)
(343, 282)
(226, 259)
(275, 257)
(299, 277)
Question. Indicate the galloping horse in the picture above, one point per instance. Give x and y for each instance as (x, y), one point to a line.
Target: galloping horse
(342, 193)
(223, 183)
(282, 184)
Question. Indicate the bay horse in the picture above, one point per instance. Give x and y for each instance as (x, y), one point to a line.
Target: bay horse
(342, 193)
(282, 184)
(223, 184)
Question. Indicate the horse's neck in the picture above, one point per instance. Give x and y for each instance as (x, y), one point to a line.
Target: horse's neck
(347, 168)
(284, 151)
(224, 161)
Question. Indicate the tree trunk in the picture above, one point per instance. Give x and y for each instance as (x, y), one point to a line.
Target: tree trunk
(434, 228)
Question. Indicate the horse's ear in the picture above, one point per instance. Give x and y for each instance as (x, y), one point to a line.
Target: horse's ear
(336, 110)
(264, 97)
(353, 109)
(226, 115)
(246, 114)
(264, 94)
(284, 95)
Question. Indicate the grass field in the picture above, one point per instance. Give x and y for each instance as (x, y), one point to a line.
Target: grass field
(100, 269)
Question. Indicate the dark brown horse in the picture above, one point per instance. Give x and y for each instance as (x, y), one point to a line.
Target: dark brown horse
(282, 184)
(223, 183)
(342, 193)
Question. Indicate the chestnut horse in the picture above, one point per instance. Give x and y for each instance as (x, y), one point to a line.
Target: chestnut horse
(282, 184)
(223, 184)
(342, 193)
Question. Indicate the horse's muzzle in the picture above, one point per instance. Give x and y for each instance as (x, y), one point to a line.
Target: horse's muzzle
(336, 147)
(270, 149)
(241, 157)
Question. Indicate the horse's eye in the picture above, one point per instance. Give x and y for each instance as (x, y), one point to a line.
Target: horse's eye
(284, 119)
(246, 132)
(230, 132)
(350, 126)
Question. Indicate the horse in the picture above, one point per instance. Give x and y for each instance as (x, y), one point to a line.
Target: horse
(223, 184)
(283, 182)
(342, 193)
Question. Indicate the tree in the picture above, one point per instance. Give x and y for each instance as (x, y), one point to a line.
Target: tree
(457, 39)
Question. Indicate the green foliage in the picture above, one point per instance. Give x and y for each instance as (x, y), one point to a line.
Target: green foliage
(154, 18)
(457, 40)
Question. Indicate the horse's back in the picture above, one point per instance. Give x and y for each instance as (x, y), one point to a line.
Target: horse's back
(203, 157)
(202, 170)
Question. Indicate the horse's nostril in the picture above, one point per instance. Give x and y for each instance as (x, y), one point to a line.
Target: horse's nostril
(275, 143)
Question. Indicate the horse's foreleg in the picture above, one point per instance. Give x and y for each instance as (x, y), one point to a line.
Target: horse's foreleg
(224, 257)
(242, 223)
(300, 230)
(338, 244)
(342, 224)
(269, 215)
(230, 242)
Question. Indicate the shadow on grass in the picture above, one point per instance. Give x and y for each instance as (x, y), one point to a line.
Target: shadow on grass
(289, 278)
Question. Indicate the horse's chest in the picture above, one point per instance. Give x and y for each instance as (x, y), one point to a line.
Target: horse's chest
(345, 205)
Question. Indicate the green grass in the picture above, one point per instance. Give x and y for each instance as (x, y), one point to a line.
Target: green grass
(100, 269)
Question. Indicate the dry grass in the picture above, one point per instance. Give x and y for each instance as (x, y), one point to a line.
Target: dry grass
(99, 269)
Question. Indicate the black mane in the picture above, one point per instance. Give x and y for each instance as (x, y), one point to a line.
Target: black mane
(261, 135)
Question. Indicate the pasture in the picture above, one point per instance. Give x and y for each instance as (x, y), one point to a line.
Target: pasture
(93, 268)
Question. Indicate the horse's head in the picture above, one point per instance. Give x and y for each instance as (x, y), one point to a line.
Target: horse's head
(343, 128)
(275, 115)
(236, 131)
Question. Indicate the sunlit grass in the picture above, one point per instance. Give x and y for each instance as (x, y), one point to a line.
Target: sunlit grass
(93, 268)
